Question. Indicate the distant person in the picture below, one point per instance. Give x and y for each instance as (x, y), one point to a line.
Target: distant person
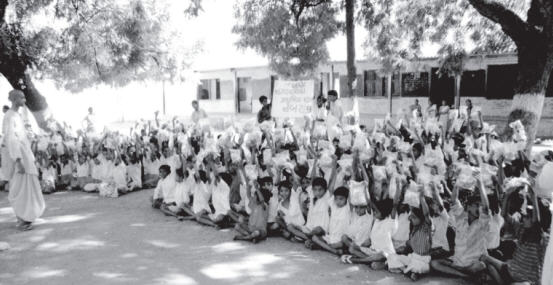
(334, 106)
(265, 113)
(198, 113)
(416, 109)
(5, 109)
(90, 121)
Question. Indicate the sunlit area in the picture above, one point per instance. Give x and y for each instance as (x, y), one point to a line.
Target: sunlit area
(250, 142)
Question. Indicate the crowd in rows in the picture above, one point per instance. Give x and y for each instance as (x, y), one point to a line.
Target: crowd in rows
(422, 192)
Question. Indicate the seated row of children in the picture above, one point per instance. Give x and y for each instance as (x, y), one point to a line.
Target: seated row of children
(403, 199)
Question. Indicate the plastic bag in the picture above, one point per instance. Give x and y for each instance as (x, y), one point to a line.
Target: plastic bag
(544, 181)
(235, 155)
(357, 193)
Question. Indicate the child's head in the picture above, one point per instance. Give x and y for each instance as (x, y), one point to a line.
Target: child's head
(82, 159)
(384, 208)
(179, 177)
(226, 177)
(266, 183)
(319, 186)
(164, 171)
(284, 190)
(341, 195)
(203, 175)
(416, 217)
(473, 206)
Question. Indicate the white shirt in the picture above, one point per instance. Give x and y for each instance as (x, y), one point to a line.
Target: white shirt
(381, 235)
(470, 240)
(83, 170)
(359, 230)
(220, 198)
(165, 189)
(494, 235)
(318, 215)
(439, 235)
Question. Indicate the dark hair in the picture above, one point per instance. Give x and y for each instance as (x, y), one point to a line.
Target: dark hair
(342, 191)
(385, 207)
(262, 98)
(473, 200)
(195, 102)
(319, 181)
(267, 194)
(180, 172)
(301, 170)
(332, 93)
(285, 184)
(165, 168)
(226, 177)
(265, 179)
(418, 212)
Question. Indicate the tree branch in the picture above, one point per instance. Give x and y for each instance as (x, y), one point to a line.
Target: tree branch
(511, 23)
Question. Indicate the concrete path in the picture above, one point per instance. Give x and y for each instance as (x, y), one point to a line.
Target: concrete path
(85, 239)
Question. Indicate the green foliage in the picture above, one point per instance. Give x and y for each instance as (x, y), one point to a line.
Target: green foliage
(81, 43)
(292, 34)
(398, 29)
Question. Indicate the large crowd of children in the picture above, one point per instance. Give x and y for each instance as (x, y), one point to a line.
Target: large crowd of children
(429, 191)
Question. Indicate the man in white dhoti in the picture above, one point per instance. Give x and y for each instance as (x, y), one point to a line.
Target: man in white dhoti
(335, 114)
(18, 165)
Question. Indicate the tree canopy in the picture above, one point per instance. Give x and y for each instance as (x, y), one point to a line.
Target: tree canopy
(292, 34)
(81, 43)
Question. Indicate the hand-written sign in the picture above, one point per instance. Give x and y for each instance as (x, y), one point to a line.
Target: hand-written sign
(292, 99)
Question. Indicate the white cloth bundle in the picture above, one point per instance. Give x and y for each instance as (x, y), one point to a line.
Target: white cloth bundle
(42, 144)
(411, 197)
(432, 126)
(251, 171)
(465, 179)
(487, 172)
(235, 155)
(319, 131)
(204, 125)
(210, 146)
(544, 181)
(326, 159)
(357, 193)
(519, 134)
(515, 182)
(281, 159)
(379, 172)
(267, 126)
(253, 139)
(108, 190)
(345, 162)
(301, 156)
(361, 143)
(267, 155)
(404, 147)
(345, 141)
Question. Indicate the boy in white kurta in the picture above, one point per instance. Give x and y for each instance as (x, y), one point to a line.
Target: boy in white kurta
(18, 163)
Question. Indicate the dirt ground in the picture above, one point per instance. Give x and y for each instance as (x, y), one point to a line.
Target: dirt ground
(85, 239)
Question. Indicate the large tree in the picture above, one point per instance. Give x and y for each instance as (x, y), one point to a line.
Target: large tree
(81, 43)
(524, 26)
(292, 34)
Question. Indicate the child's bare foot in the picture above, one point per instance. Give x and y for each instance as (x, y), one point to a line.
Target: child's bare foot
(395, 270)
(346, 259)
(414, 276)
(286, 235)
(378, 265)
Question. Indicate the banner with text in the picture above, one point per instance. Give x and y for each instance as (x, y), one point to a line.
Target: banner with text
(292, 99)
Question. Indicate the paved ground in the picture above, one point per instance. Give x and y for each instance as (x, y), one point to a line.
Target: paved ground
(84, 239)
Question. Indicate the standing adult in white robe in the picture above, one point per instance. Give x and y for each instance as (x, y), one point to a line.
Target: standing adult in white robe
(18, 164)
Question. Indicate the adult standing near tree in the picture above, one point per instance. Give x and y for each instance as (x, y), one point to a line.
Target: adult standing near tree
(90, 121)
(18, 163)
(335, 114)
(198, 113)
(265, 113)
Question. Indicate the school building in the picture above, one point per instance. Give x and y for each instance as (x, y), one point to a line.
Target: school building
(488, 80)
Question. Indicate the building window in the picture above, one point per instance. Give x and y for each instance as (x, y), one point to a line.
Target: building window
(501, 81)
(209, 89)
(373, 84)
(473, 83)
(414, 84)
(395, 85)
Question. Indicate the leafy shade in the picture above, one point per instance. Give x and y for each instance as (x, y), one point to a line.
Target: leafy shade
(292, 34)
(86, 42)
(401, 27)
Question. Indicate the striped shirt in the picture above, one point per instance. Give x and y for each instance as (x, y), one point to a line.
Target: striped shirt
(420, 238)
(527, 261)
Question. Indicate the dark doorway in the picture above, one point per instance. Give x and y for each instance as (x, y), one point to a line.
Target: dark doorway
(442, 88)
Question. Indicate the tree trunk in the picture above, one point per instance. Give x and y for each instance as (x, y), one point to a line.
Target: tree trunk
(534, 68)
(13, 65)
(35, 101)
(350, 34)
(389, 90)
